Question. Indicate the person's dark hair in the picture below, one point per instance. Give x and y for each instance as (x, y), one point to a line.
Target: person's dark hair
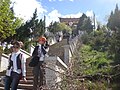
(16, 43)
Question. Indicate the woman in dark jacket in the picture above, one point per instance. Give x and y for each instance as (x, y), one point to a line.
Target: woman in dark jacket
(40, 51)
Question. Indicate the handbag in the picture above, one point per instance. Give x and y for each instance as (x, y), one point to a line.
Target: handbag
(34, 61)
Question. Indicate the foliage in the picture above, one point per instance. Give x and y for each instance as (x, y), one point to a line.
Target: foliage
(8, 21)
(85, 24)
(56, 27)
(93, 61)
(114, 19)
(87, 63)
(1, 50)
(113, 24)
(99, 40)
(86, 38)
(30, 31)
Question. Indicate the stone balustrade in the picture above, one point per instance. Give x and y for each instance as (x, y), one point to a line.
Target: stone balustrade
(69, 50)
(55, 68)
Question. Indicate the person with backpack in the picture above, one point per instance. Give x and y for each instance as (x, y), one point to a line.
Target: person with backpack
(16, 68)
(38, 71)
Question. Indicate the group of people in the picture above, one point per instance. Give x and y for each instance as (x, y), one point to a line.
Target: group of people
(17, 65)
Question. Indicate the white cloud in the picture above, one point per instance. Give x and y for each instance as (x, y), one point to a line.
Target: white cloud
(26, 8)
(89, 13)
(52, 17)
(77, 15)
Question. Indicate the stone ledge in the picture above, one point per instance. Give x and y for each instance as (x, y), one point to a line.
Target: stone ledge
(55, 60)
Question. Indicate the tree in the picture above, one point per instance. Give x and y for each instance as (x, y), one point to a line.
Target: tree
(63, 27)
(114, 25)
(80, 23)
(8, 21)
(31, 29)
(114, 19)
(53, 27)
(85, 24)
(56, 27)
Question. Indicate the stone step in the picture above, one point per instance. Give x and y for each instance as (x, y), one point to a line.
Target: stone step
(29, 74)
(21, 87)
(1, 88)
(29, 67)
(28, 82)
(2, 73)
(29, 77)
(25, 86)
(1, 85)
(29, 70)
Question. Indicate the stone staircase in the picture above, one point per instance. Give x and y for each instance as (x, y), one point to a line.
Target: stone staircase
(58, 49)
(55, 50)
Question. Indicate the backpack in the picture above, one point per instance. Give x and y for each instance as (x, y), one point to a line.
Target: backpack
(34, 61)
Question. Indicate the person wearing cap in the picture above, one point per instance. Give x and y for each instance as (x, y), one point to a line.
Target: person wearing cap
(40, 51)
(16, 68)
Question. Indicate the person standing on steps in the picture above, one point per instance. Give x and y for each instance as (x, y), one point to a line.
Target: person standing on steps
(39, 71)
(16, 69)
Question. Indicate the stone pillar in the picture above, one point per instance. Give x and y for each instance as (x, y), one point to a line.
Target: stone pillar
(66, 54)
(49, 73)
(54, 67)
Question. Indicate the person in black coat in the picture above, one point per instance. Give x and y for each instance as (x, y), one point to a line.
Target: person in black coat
(38, 71)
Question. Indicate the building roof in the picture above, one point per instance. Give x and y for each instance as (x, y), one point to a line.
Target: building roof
(69, 19)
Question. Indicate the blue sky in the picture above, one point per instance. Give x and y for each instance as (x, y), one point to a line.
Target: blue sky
(65, 8)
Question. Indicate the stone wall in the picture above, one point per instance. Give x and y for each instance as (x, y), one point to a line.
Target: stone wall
(55, 68)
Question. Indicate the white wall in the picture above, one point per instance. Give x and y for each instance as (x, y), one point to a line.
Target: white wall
(3, 62)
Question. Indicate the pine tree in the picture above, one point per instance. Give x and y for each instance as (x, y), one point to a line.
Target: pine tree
(85, 24)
